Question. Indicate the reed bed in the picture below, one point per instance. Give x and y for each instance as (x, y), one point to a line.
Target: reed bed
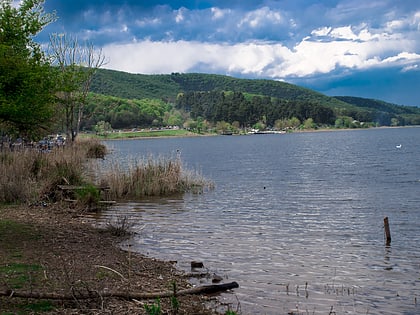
(161, 176)
(32, 175)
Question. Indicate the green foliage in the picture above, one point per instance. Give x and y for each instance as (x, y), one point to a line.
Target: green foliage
(103, 128)
(41, 306)
(174, 299)
(75, 65)
(124, 113)
(381, 112)
(27, 83)
(17, 275)
(153, 309)
(88, 196)
(216, 98)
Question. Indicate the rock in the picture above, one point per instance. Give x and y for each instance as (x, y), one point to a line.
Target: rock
(216, 278)
(197, 264)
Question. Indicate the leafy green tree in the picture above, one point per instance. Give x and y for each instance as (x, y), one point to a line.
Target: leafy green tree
(103, 128)
(294, 122)
(27, 83)
(223, 126)
(309, 123)
(339, 123)
(395, 122)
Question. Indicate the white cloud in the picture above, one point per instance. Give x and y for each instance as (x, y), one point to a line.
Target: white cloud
(261, 59)
(145, 22)
(219, 13)
(414, 67)
(322, 31)
(179, 16)
(259, 17)
(326, 49)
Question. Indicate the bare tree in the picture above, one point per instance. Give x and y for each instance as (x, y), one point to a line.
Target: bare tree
(76, 65)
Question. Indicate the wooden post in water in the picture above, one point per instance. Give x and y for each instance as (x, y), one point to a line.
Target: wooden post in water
(387, 231)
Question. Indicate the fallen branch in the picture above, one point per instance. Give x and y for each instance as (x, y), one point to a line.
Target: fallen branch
(206, 289)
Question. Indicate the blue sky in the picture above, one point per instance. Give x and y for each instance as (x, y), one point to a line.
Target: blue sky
(337, 47)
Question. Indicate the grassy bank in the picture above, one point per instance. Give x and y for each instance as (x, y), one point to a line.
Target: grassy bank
(141, 134)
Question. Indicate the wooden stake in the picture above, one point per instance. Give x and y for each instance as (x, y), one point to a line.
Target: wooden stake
(387, 231)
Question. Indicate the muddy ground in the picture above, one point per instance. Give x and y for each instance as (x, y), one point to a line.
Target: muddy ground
(52, 248)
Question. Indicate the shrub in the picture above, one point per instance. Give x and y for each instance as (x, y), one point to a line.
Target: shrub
(88, 196)
(95, 149)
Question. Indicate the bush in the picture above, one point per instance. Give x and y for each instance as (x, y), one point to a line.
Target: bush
(95, 149)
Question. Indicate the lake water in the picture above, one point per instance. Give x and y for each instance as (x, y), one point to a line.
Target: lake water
(296, 219)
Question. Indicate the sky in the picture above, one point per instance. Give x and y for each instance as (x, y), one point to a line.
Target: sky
(337, 47)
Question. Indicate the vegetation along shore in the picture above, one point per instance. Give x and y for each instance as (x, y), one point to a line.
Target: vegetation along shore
(53, 260)
(52, 98)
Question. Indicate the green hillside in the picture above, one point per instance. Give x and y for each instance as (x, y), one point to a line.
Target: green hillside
(372, 104)
(138, 86)
(138, 100)
(380, 110)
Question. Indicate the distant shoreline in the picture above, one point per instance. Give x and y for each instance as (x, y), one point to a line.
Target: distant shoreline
(181, 133)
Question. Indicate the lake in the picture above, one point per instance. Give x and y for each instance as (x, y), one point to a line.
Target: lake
(296, 219)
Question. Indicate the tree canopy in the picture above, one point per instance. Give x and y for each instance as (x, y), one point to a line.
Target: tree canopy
(26, 80)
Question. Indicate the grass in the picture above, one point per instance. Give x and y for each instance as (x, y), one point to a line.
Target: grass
(12, 233)
(153, 177)
(26, 176)
(142, 134)
(30, 176)
(17, 275)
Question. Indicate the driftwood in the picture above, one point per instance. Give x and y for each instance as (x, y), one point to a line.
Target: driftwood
(104, 202)
(206, 289)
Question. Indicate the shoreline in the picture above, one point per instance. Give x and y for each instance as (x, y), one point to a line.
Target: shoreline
(191, 135)
(68, 253)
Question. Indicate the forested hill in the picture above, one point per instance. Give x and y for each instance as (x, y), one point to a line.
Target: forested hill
(379, 105)
(223, 98)
(168, 86)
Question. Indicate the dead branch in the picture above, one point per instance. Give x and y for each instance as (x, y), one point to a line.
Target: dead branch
(206, 289)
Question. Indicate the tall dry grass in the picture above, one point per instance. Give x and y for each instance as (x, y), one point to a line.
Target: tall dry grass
(162, 176)
(30, 175)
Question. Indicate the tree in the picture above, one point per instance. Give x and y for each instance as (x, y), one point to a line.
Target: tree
(27, 83)
(103, 128)
(76, 64)
(309, 123)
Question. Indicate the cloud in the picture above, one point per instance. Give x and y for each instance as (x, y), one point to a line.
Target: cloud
(278, 39)
(324, 50)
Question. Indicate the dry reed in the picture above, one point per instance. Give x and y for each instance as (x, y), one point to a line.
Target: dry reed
(153, 177)
(30, 175)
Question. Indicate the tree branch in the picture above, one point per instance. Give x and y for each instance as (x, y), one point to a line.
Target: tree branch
(206, 289)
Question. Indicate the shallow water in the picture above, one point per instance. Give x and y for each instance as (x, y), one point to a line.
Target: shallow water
(295, 219)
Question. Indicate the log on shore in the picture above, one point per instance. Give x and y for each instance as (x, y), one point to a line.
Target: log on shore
(206, 289)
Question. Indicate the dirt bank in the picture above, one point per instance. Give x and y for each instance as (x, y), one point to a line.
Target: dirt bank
(48, 248)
